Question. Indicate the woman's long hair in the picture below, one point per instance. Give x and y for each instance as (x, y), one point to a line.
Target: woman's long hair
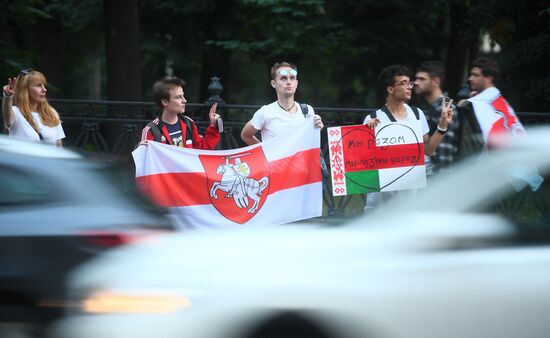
(48, 115)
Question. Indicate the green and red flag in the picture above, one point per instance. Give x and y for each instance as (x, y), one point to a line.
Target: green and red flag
(389, 158)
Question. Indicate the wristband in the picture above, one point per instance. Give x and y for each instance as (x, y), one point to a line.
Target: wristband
(7, 96)
(441, 130)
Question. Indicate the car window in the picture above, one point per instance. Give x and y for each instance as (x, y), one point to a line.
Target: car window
(19, 188)
(526, 203)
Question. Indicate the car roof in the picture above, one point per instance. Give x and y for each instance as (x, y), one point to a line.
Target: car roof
(21, 147)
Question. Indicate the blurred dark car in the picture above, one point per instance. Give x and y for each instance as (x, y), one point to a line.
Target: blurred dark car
(57, 210)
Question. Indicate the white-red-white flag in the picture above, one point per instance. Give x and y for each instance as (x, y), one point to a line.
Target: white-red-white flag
(270, 183)
(496, 117)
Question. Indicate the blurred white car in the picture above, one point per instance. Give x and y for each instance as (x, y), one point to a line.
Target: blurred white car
(468, 257)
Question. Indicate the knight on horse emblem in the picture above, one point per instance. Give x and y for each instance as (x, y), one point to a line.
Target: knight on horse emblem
(238, 185)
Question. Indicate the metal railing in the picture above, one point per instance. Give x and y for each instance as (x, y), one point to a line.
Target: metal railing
(90, 125)
(114, 127)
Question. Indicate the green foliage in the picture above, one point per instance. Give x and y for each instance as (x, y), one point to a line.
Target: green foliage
(275, 28)
(53, 36)
(525, 43)
(76, 15)
(17, 15)
(339, 45)
(23, 12)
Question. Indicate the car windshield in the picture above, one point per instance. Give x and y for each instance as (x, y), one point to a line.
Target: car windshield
(512, 183)
(525, 202)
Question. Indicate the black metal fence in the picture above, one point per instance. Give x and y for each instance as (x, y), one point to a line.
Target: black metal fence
(115, 128)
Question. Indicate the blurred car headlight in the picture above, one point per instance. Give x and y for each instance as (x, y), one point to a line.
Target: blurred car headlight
(116, 302)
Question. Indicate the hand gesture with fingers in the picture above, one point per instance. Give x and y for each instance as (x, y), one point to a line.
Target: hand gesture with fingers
(446, 114)
(213, 115)
(9, 89)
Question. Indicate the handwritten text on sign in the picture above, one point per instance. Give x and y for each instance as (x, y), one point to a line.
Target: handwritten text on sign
(363, 160)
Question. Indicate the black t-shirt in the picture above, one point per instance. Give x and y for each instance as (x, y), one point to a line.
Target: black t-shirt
(174, 130)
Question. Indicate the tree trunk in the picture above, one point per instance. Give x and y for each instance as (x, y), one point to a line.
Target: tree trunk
(49, 59)
(459, 50)
(122, 46)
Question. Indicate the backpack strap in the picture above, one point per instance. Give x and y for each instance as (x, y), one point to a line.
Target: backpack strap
(392, 118)
(188, 126)
(155, 131)
(41, 137)
(304, 108)
(416, 112)
(389, 114)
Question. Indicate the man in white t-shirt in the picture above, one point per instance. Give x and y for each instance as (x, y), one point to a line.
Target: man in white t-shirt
(283, 115)
(395, 81)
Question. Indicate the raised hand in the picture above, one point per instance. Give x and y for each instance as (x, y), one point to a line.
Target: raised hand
(213, 115)
(9, 89)
(446, 114)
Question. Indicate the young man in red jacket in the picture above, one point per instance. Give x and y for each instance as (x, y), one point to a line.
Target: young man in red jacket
(174, 128)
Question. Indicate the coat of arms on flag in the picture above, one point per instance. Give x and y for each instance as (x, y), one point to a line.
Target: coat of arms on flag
(363, 160)
(270, 183)
(239, 183)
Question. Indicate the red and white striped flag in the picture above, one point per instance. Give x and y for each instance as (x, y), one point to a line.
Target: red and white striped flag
(496, 117)
(270, 183)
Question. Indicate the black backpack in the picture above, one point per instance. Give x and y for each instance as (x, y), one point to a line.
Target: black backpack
(390, 115)
(304, 108)
(157, 134)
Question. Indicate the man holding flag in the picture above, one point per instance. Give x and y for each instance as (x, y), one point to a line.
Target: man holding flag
(493, 113)
(273, 182)
(395, 82)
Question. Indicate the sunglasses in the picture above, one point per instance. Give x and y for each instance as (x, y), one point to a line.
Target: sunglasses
(405, 83)
(287, 72)
(26, 71)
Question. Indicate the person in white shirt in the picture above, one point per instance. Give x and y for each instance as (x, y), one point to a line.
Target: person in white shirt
(395, 81)
(282, 115)
(26, 111)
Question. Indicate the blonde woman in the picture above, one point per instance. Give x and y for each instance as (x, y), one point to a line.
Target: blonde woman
(26, 111)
